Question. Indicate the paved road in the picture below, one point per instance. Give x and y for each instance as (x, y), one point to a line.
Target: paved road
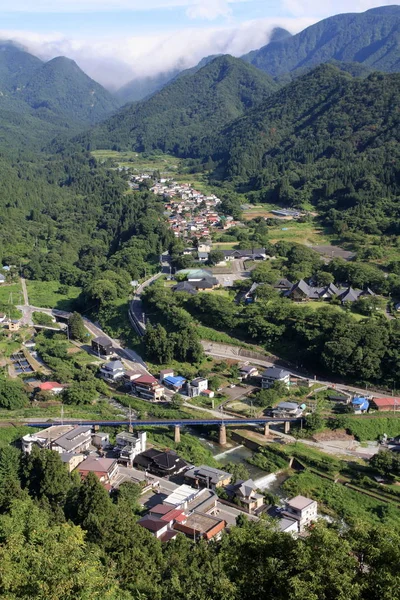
(136, 305)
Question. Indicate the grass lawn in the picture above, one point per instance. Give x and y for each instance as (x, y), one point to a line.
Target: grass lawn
(101, 410)
(11, 433)
(11, 292)
(139, 163)
(45, 294)
(339, 309)
(309, 234)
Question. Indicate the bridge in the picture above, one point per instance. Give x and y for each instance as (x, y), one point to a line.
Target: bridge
(177, 424)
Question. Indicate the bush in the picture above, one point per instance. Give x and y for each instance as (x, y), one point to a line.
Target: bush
(42, 319)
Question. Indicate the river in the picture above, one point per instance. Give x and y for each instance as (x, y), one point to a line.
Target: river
(239, 455)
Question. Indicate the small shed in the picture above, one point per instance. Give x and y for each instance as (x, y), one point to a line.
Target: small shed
(360, 405)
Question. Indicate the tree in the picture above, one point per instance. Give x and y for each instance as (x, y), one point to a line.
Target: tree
(177, 401)
(12, 394)
(81, 392)
(238, 471)
(215, 257)
(159, 345)
(76, 326)
(215, 382)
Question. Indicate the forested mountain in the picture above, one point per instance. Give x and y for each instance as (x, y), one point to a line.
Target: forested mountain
(326, 138)
(143, 87)
(179, 117)
(16, 67)
(61, 87)
(371, 38)
(66, 217)
(39, 101)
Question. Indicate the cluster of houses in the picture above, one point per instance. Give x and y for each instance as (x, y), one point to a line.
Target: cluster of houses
(193, 505)
(190, 213)
(302, 291)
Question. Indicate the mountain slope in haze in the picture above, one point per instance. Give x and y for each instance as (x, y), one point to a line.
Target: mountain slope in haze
(181, 115)
(371, 38)
(61, 87)
(328, 139)
(16, 67)
(143, 87)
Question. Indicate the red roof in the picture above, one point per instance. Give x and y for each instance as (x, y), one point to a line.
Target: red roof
(160, 509)
(387, 401)
(149, 379)
(173, 515)
(50, 385)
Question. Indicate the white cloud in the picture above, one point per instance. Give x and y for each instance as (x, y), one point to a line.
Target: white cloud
(116, 60)
(326, 8)
(197, 8)
(209, 9)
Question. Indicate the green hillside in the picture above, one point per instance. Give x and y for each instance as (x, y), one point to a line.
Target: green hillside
(60, 86)
(371, 38)
(16, 67)
(179, 117)
(328, 139)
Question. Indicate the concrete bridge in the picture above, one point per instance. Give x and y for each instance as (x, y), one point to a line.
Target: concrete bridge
(177, 424)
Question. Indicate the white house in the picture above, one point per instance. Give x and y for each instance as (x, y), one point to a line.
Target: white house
(2, 278)
(112, 371)
(197, 386)
(303, 510)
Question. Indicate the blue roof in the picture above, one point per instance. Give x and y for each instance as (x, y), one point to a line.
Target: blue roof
(363, 403)
(174, 380)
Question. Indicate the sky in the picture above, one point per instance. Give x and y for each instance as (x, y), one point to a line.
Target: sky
(115, 41)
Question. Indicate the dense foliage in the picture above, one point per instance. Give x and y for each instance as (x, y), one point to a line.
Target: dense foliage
(326, 139)
(179, 117)
(61, 537)
(368, 38)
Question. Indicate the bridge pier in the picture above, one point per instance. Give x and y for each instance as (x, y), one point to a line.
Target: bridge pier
(222, 435)
(177, 437)
(266, 429)
(287, 427)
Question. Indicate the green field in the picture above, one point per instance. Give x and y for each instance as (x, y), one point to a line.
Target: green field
(101, 410)
(45, 294)
(164, 163)
(11, 293)
(309, 234)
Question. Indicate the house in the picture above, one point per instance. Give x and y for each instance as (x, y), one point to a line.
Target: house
(386, 404)
(286, 213)
(284, 285)
(112, 371)
(104, 468)
(247, 371)
(168, 514)
(13, 325)
(129, 445)
(43, 438)
(100, 440)
(248, 296)
(274, 374)
(71, 460)
(286, 525)
(2, 278)
(360, 405)
(207, 283)
(197, 386)
(52, 387)
(200, 525)
(147, 387)
(287, 410)
(209, 477)
(174, 383)
(157, 527)
(244, 493)
(164, 463)
(77, 440)
(208, 393)
(165, 373)
(202, 256)
(130, 376)
(102, 346)
(185, 286)
(254, 254)
(303, 510)
(181, 497)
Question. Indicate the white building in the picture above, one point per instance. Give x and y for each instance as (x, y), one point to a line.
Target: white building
(112, 371)
(129, 445)
(61, 438)
(303, 510)
(197, 386)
